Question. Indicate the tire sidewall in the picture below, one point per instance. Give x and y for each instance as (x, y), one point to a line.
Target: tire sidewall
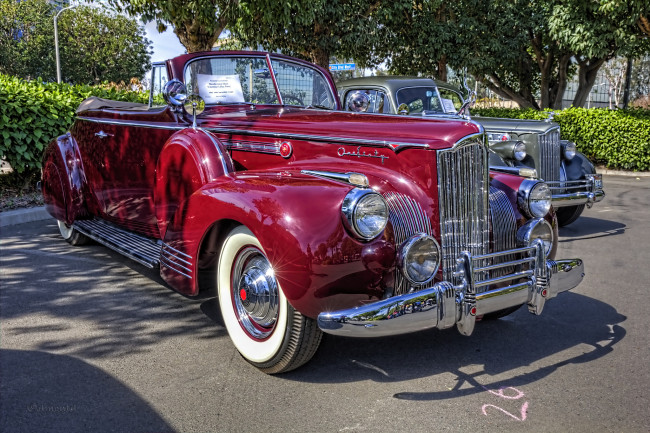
(255, 351)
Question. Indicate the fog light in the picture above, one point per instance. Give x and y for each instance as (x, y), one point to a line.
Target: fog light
(536, 229)
(419, 258)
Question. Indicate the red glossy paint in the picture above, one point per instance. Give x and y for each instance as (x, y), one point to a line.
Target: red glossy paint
(155, 175)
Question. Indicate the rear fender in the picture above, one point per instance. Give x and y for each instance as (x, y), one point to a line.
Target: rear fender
(63, 180)
(190, 159)
(294, 217)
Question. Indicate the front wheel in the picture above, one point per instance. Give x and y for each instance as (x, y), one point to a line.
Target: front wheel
(267, 331)
(72, 236)
(567, 215)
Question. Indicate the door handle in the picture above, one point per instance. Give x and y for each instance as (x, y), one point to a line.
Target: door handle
(102, 134)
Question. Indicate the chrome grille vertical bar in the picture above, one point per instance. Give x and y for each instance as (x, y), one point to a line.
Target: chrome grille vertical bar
(463, 197)
(550, 151)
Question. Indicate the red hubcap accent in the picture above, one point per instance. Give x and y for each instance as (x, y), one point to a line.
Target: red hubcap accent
(242, 294)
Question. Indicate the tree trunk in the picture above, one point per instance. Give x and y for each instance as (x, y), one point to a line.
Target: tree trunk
(442, 68)
(320, 57)
(587, 73)
(196, 37)
(524, 98)
(557, 91)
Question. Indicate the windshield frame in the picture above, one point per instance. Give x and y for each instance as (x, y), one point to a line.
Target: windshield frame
(269, 58)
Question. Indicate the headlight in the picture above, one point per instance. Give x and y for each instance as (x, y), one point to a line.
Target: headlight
(419, 258)
(511, 149)
(519, 151)
(536, 229)
(365, 213)
(569, 149)
(534, 198)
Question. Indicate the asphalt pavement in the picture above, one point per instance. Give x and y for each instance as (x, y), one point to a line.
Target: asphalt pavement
(90, 341)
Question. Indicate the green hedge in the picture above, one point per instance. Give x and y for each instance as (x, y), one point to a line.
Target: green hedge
(33, 113)
(614, 138)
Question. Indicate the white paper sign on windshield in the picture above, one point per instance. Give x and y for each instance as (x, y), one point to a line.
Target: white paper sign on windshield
(219, 89)
(448, 105)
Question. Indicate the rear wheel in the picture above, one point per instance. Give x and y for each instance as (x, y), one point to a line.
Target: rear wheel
(72, 236)
(267, 331)
(567, 215)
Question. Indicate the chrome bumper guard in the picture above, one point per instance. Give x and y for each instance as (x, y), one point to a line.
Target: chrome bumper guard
(531, 279)
(577, 192)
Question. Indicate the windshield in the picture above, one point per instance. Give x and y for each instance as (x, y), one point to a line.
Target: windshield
(420, 100)
(237, 80)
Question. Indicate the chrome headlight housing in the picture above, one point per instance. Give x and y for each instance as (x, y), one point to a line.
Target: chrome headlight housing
(419, 258)
(569, 149)
(365, 213)
(534, 198)
(511, 149)
(536, 229)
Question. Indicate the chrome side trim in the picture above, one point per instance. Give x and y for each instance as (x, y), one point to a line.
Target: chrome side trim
(226, 161)
(395, 146)
(253, 146)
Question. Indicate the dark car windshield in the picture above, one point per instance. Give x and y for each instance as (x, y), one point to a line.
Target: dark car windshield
(236, 80)
(420, 100)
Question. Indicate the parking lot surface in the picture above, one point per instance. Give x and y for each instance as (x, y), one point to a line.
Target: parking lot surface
(91, 341)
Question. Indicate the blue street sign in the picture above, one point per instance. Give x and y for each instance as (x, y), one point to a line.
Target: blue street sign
(342, 67)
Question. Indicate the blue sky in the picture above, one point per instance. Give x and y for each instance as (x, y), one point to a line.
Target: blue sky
(165, 45)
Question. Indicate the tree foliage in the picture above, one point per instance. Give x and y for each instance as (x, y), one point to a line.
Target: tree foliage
(317, 29)
(197, 23)
(94, 44)
(97, 46)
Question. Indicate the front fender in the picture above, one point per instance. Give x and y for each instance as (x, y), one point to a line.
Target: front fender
(297, 220)
(578, 167)
(63, 179)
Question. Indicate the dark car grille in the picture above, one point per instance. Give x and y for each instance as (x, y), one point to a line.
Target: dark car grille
(550, 153)
(463, 197)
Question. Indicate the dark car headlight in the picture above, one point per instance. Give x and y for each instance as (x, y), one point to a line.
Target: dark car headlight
(569, 149)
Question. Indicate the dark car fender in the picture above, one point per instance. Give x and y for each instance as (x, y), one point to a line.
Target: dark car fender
(63, 180)
(297, 220)
(577, 167)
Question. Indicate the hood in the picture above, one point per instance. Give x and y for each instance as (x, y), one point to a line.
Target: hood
(516, 126)
(338, 126)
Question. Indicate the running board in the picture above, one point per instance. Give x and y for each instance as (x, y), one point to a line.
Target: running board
(143, 250)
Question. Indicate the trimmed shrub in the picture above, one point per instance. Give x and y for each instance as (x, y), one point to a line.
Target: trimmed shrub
(33, 113)
(613, 138)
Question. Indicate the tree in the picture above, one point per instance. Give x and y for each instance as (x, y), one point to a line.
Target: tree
(316, 30)
(27, 38)
(97, 46)
(197, 23)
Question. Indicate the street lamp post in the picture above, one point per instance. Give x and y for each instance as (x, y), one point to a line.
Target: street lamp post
(56, 43)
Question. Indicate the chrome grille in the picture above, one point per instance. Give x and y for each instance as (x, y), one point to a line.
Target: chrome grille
(463, 197)
(407, 218)
(550, 153)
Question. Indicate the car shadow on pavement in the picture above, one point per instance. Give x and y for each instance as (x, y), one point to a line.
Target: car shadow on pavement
(591, 228)
(58, 393)
(513, 351)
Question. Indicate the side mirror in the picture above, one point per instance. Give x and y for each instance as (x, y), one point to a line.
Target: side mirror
(194, 105)
(403, 109)
(175, 93)
(358, 101)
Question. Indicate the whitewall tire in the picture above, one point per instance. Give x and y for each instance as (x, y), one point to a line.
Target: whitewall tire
(265, 329)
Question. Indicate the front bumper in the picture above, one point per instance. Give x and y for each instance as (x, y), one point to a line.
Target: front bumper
(531, 280)
(577, 192)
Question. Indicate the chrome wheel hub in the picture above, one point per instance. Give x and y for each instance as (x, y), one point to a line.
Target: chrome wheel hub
(255, 293)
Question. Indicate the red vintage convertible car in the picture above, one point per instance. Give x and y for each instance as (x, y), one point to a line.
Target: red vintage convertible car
(305, 218)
